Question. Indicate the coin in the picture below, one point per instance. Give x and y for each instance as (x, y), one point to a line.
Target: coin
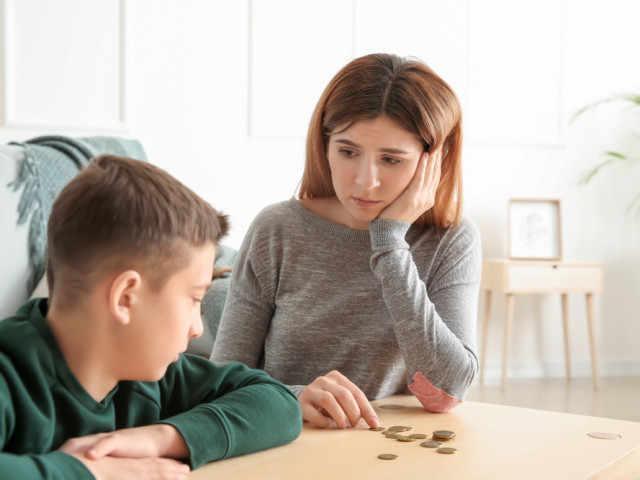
(604, 435)
(448, 450)
(392, 435)
(418, 436)
(377, 429)
(430, 444)
(387, 456)
(391, 406)
(399, 428)
(402, 438)
(444, 434)
(440, 439)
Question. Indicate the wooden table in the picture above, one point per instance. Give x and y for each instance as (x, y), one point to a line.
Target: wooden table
(493, 442)
(540, 277)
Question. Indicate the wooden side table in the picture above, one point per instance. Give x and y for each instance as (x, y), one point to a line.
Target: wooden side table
(539, 277)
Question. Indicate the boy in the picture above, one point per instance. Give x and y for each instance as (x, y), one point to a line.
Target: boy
(92, 383)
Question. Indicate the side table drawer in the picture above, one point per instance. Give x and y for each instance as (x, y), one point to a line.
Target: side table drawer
(553, 278)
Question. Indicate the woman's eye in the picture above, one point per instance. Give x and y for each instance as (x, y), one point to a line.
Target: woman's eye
(197, 300)
(346, 152)
(392, 160)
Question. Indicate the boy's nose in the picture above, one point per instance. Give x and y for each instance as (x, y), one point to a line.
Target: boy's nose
(197, 328)
(367, 175)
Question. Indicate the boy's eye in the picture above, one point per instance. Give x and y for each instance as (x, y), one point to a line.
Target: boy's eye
(197, 300)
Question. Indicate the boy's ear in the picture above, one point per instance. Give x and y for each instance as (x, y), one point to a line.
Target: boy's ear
(123, 294)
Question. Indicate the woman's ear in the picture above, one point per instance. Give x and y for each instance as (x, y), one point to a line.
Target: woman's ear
(123, 294)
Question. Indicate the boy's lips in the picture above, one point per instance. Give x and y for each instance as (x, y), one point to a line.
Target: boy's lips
(364, 202)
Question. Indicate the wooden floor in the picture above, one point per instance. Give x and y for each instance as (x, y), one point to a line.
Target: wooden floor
(618, 397)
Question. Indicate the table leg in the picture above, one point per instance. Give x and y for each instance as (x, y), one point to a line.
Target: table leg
(508, 324)
(592, 340)
(565, 322)
(485, 334)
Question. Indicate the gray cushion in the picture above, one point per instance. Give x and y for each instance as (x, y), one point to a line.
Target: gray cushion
(213, 303)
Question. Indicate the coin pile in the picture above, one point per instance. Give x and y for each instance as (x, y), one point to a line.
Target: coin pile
(437, 437)
(399, 428)
(443, 435)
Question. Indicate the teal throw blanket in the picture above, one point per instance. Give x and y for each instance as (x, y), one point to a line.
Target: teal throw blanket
(50, 162)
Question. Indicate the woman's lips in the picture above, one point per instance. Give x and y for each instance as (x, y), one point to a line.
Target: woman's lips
(363, 202)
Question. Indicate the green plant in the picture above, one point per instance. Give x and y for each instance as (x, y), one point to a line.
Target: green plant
(611, 157)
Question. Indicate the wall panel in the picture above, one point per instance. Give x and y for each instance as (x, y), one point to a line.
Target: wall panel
(295, 49)
(63, 64)
(515, 54)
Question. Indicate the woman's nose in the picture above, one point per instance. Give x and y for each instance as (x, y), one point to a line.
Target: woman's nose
(367, 175)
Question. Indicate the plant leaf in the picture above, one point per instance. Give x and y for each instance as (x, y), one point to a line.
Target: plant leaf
(613, 157)
(589, 107)
(617, 155)
(633, 98)
(630, 97)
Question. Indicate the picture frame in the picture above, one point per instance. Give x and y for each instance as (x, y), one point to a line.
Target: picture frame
(535, 229)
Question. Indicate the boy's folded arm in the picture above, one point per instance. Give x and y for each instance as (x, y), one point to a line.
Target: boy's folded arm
(150, 441)
(117, 468)
(245, 411)
(48, 466)
(62, 465)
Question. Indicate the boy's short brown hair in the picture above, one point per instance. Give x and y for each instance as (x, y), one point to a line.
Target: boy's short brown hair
(119, 213)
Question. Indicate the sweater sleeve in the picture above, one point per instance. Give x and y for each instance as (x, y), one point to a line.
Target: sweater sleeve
(47, 466)
(227, 410)
(435, 327)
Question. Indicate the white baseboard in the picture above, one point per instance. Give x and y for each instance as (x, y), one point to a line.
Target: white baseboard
(621, 368)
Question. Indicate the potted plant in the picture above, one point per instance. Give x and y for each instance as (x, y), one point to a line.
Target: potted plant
(614, 157)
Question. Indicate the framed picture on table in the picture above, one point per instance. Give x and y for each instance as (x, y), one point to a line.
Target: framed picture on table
(535, 231)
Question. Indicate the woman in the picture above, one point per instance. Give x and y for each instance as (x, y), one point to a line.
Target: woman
(367, 285)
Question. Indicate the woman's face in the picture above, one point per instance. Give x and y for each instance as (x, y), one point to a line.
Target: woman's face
(372, 162)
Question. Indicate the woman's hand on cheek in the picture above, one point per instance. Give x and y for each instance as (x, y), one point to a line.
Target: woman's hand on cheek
(420, 194)
(334, 396)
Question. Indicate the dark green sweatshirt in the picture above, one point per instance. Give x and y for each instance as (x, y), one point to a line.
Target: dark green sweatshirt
(221, 411)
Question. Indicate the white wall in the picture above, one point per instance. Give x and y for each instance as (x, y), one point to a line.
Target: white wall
(220, 94)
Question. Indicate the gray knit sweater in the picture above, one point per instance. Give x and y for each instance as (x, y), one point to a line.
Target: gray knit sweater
(308, 296)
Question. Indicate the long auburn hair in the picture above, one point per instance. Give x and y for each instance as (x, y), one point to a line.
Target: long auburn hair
(410, 94)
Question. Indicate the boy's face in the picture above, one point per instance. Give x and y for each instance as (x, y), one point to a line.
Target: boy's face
(166, 320)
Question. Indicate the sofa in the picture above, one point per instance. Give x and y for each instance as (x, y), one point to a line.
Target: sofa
(23, 215)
